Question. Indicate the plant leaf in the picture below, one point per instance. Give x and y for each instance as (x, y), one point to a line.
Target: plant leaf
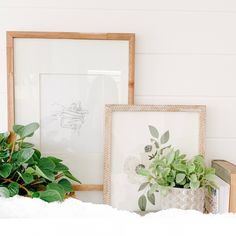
(65, 183)
(26, 145)
(180, 177)
(47, 174)
(13, 189)
(165, 137)
(28, 130)
(4, 192)
(151, 197)
(23, 155)
(142, 202)
(193, 178)
(143, 186)
(50, 195)
(70, 176)
(5, 170)
(17, 128)
(60, 167)
(58, 188)
(154, 132)
(46, 164)
(195, 185)
(27, 177)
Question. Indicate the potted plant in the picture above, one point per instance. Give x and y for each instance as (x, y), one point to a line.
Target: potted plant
(181, 182)
(24, 171)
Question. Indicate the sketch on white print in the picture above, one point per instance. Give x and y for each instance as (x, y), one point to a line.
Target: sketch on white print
(72, 117)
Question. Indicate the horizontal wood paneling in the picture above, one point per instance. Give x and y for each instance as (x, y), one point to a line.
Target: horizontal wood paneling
(221, 112)
(200, 5)
(186, 51)
(221, 149)
(186, 75)
(157, 32)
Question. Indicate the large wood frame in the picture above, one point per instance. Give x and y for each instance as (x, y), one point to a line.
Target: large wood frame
(11, 35)
(110, 109)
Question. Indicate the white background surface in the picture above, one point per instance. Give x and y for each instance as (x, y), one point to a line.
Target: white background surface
(186, 51)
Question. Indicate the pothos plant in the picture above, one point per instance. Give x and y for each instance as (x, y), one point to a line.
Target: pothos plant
(169, 168)
(24, 171)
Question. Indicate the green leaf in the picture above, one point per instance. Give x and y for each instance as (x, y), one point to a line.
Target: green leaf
(17, 128)
(193, 178)
(154, 132)
(195, 185)
(180, 177)
(23, 155)
(35, 195)
(27, 177)
(187, 185)
(70, 176)
(50, 195)
(60, 167)
(165, 137)
(58, 188)
(46, 164)
(54, 159)
(180, 167)
(47, 174)
(13, 189)
(151, 197)
(5, 170)
(210, 177)
(28, 130)
(26, 145)
(65, 183)
(30, 170)
(143, 186)
(170, 157)
(4, 192)
(142, 202)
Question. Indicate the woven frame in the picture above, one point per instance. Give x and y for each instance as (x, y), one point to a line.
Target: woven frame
(109, 109)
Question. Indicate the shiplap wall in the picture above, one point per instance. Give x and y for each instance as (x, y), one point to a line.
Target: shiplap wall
(185, 51)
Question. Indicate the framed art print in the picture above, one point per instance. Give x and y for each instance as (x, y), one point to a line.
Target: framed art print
(128, 132)
(62, 81)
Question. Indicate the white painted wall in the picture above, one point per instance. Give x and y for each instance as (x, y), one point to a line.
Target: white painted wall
(186, 51)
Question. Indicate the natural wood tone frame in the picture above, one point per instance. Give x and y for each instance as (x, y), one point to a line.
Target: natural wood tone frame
(11, 35)
(201, 109)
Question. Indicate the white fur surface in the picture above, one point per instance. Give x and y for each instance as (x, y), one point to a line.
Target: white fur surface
(78, 218)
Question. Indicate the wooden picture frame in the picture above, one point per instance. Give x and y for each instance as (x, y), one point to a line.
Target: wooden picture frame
(12, 35)
(119, 141)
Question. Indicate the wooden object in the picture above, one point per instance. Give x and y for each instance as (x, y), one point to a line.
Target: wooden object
(11, 35)
(227, 171)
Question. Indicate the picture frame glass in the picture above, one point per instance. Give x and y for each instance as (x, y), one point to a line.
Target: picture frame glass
(129, 134)
(64, 85)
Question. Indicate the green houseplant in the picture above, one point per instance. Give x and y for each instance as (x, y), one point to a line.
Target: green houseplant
(170, 171)
(24, 171)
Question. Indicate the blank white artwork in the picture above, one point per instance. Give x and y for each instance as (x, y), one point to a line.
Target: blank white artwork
(64, 84)
(130, 134)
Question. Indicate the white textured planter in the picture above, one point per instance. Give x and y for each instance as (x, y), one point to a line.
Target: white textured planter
(183, 199)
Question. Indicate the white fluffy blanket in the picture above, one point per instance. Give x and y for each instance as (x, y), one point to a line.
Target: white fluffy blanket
(79, 218)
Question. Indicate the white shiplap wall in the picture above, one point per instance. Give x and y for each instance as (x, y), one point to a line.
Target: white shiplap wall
(185, 51)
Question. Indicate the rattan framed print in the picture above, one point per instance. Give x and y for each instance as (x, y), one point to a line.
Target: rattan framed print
(128, 132)
(62, 80)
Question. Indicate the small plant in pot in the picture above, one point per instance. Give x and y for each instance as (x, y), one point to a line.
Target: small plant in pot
(24, 171)
(181, 182)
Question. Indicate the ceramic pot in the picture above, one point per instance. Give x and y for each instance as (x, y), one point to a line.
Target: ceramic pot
(183, 199)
